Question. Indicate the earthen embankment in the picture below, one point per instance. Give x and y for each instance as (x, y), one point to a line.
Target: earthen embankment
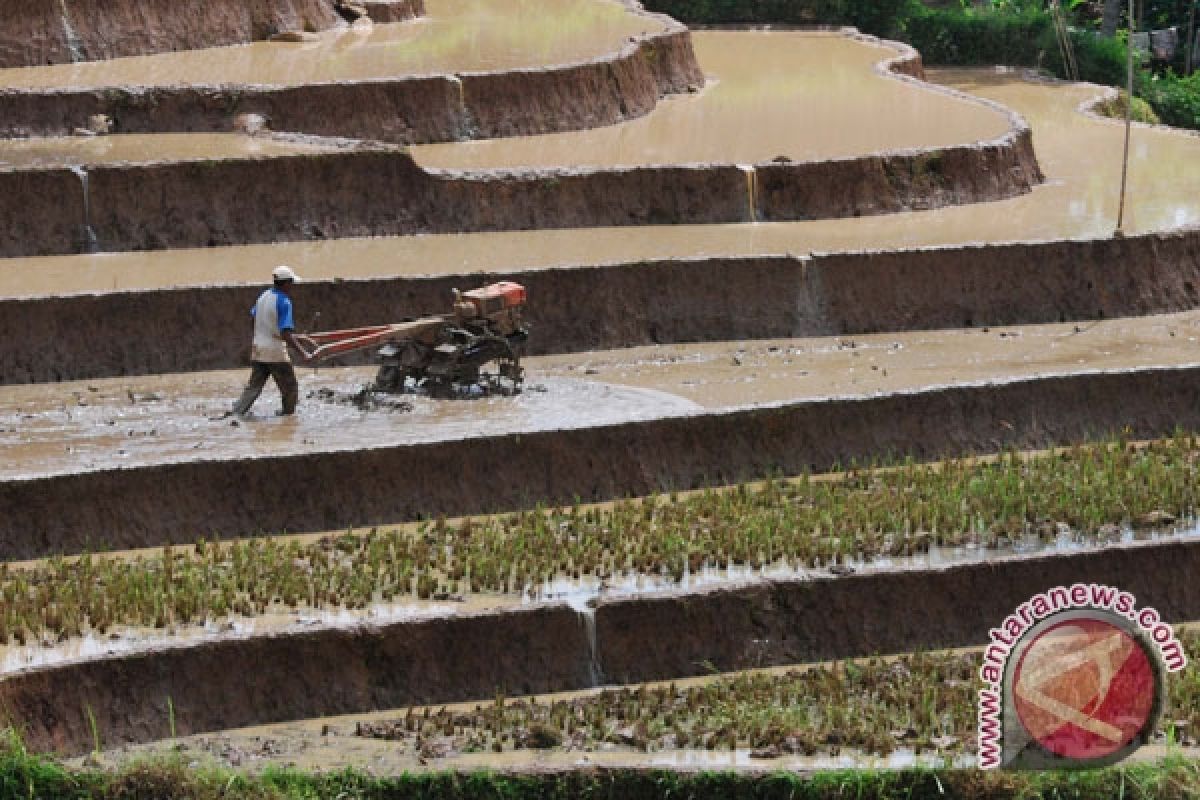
(373, 190)
(636, 303)
(884, 611)
(178, 501)
(404, 110)
(52, 32)
(893, 182)
(252, 680)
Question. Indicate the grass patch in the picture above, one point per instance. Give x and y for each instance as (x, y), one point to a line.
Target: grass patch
(1084, 493)
(169, 778)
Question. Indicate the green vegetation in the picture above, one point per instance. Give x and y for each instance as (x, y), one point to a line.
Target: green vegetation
(1175, 100)
(1115, 107)
(30, 776)
(924, 702)
(1087, 492)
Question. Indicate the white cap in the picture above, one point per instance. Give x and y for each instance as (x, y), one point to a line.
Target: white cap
(282, 273)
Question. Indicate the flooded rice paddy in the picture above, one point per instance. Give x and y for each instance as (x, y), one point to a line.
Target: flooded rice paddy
(62, 428)
(770, 95)
(92, 425)
(1078, 201)
(455, 36)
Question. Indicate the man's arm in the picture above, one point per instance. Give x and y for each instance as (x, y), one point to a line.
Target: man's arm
(287, 328)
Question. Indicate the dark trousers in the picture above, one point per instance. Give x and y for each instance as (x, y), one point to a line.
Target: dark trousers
(285, 379)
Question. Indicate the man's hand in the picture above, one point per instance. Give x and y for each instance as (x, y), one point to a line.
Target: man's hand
(290, 338)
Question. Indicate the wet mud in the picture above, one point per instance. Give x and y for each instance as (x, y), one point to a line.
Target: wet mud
(416, 473)
(36, 34)
(64, 428)
(629, 304)
(50, 429)
(470, 69)
(253, 681)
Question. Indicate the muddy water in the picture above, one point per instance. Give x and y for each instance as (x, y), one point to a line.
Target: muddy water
(456, 36)
(56, 428)
(70, 151)
(720, 375)
(89, 425)
(1079, 154)
(806, 96)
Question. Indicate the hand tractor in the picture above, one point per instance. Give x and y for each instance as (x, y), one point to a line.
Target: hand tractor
(442, 352)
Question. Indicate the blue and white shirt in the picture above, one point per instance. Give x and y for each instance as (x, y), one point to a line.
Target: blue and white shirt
(272, 316)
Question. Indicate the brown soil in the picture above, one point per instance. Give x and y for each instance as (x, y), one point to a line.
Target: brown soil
(52, 211)
(32, 34)
(242, 682)
(394, 10)
(176, 502)
(635, 303)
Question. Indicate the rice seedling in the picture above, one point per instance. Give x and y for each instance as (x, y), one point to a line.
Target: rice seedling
(924, 702)
(899, 509)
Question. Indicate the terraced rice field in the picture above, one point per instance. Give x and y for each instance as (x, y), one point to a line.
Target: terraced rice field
(833, 358)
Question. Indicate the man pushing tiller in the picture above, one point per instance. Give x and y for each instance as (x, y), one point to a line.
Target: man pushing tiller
(274, 330)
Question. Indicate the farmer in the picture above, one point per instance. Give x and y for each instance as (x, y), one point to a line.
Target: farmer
(273, 332)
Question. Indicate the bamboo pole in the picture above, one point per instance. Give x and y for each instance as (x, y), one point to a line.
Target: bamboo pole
(1128, 126)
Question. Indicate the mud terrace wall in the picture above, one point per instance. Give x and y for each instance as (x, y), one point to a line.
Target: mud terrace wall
(894, 182)
(238, 682)
(177, 502)
(90, 336)
(51, 211)
(364, 190)
(37, 32)
(394, 10)
(407, 110)
(234, 683)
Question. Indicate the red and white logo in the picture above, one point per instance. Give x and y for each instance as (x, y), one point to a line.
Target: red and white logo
(1074, 678)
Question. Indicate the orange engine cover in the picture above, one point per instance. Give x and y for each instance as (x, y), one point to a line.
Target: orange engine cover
(497, 296)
